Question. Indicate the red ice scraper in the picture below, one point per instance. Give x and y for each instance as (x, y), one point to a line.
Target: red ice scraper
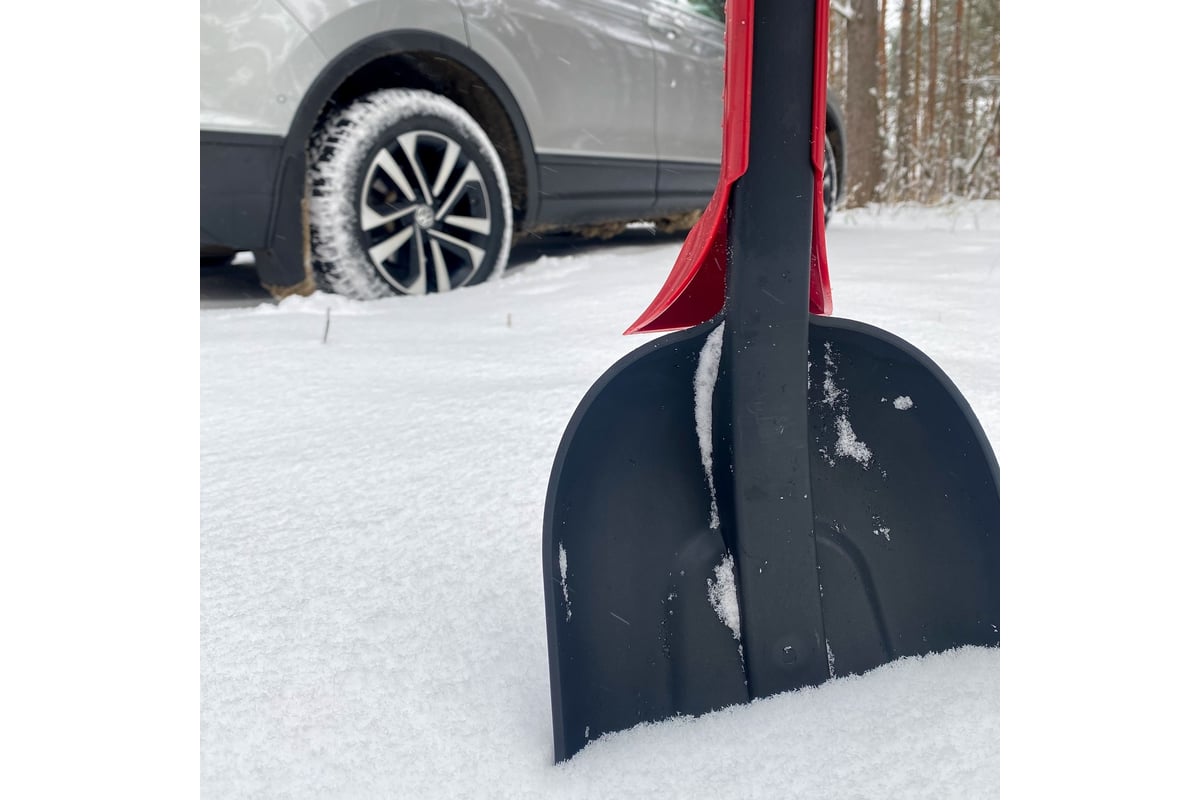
(769, 497)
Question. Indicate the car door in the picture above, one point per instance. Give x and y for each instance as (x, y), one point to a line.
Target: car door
(583, 74)
(689, 42)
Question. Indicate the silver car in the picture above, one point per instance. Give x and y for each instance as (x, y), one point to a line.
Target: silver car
(379, 147)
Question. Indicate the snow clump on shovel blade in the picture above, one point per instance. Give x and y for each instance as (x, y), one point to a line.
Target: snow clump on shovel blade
(705, 382)
(849, 445)
(562, 571)
(722, 596)
(903, 403)
(832, 392)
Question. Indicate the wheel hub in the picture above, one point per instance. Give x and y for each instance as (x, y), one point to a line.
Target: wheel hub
(424, 217)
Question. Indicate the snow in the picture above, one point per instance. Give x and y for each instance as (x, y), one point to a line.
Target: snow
(562, 573)
(372, 619)
(925, 728)
(705, 382)
(848, 445)
(832, 392)
(902, 403)
(722, 596)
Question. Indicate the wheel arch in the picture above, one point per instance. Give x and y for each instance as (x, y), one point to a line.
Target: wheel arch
(392, 59)
(424, 60)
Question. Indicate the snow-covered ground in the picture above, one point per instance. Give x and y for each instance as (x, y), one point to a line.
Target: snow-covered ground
(371, 509)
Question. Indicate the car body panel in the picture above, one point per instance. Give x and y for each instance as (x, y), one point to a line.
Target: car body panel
(585, 190)
(337, 25)
(586, 68)
(690, 60)
(256, 63)
(258, 58)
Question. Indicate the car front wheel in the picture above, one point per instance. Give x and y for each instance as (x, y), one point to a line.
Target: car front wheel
(407, 195)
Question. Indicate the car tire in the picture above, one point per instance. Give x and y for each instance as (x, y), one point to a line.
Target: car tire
(830, 181)
(406, 195)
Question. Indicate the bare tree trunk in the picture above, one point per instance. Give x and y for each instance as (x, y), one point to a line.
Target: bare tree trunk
(932, 131)
(958, 121)
(863, 143)
(885, 102)
(996, 127)
(837, 56)
(918, 125)
(903, 90)
(938, 128)
(971, 87)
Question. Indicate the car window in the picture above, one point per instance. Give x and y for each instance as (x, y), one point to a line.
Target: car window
(713, 9)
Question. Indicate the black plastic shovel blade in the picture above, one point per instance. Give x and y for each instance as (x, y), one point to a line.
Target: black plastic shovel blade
(628, 552)
(906, 501)
(641, 609)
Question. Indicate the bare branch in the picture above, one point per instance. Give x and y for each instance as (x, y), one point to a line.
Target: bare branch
(968, 167)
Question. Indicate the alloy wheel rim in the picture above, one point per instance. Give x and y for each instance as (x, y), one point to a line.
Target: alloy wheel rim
(424, 214)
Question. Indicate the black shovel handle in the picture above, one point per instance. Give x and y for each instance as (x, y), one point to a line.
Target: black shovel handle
(764, 355)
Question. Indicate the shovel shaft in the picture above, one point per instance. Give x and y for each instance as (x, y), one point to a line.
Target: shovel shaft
(766, 346)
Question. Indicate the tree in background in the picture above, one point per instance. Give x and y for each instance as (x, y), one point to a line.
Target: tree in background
(863, 134)
(919, 81)
(929, 132)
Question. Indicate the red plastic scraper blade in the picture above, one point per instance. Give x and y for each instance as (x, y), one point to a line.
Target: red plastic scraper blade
(820, 296)
(695, 289)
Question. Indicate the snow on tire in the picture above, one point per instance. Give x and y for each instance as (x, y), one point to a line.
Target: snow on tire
(407, 195)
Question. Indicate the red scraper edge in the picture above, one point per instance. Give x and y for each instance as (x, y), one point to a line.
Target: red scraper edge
(694, 291)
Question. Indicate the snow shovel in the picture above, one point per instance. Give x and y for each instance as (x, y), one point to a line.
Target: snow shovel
(769, 497)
